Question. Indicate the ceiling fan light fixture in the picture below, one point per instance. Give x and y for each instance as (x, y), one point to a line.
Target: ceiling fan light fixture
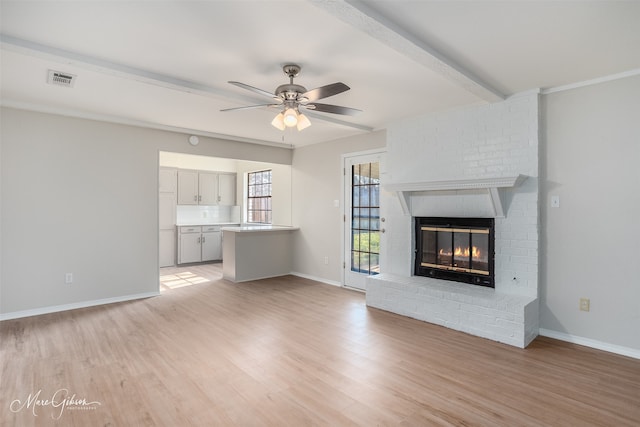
(278, 121)
(303, 122)
(290, 117)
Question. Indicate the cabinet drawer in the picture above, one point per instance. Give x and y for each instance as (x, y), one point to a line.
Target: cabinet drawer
(190, 229)
(207, 228)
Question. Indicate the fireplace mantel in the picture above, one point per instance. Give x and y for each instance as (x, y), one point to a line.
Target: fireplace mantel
(494, 187)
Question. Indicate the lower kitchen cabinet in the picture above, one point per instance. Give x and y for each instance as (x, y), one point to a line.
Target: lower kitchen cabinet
(167, 248)
(199, 243)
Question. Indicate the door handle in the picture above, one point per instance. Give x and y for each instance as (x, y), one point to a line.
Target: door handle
(383, 230)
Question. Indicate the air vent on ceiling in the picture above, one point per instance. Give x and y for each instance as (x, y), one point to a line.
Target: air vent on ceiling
(61, 79)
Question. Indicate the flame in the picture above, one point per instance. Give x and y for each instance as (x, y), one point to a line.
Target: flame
(475, 252)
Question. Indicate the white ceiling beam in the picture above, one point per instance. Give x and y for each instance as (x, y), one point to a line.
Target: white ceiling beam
(357, 14)
(87, 62)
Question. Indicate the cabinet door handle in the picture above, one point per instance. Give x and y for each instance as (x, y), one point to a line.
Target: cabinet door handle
(195, 198)
(199, 198)
(219, 198)
(202, 239)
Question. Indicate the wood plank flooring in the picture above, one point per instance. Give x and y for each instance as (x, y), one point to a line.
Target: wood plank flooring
(293, 352)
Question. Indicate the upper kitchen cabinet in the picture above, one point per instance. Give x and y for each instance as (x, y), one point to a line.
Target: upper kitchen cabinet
(227, 189)
(188, 192)
(206, 188)
(167, 180)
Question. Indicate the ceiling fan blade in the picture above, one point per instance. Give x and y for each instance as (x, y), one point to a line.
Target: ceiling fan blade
(335, 109)
(325, 91)
(251, 106)
(254, 89)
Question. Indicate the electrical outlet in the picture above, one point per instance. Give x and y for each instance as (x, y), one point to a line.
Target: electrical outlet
(585, 304)
(68, 278)
(326, 260)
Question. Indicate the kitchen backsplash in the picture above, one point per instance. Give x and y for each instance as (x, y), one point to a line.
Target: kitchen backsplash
(208, 214)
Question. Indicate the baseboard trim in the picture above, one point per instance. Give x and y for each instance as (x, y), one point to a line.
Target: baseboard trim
(317, 279)
(75, 305)
(588, 342)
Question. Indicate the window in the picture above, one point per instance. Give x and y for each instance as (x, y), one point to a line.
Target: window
(365, 218)
(259, 197)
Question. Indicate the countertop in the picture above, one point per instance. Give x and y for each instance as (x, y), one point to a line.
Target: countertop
(258, 228)
(204, 222)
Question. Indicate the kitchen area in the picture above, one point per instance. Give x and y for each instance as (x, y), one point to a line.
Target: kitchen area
(200, 204)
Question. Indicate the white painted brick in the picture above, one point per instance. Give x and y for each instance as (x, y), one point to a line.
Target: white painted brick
(477, 142)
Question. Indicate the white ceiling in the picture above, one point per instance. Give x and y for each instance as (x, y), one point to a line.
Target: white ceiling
(167, 63)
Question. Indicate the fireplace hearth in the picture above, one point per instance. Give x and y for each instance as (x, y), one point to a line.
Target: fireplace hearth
(457, 249)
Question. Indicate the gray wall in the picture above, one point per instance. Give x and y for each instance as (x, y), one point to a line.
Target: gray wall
(590, 148)
(80, 196)
(317, 182)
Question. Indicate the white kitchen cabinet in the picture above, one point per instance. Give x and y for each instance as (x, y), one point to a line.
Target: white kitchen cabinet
(166, 210)
(199, 243)
(167, 253)
(227, 189)
(167, 182)
(167, 198)
(189, 246)
(211, 243)
(188, 187)
(206, 188)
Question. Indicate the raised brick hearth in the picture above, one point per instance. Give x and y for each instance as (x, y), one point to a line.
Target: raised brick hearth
(510, 319)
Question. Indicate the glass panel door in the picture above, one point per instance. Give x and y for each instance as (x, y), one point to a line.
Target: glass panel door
(365, 218)
(363, 222)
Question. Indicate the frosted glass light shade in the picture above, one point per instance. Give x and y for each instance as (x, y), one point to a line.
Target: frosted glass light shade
(303, 122)
(278, 121)
(290, 117)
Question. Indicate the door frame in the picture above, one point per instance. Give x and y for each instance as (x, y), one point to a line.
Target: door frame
(346, 225)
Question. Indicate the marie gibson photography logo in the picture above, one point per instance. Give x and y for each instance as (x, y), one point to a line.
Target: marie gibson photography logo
(59, 402)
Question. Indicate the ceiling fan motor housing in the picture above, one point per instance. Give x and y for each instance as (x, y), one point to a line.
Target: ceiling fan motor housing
(289, 91)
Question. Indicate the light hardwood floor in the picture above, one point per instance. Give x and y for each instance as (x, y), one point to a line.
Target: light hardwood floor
(293, 352)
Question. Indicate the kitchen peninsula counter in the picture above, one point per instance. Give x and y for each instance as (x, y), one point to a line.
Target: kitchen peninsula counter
(253, 252)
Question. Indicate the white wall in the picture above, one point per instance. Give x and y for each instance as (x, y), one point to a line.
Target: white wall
(590, 244)
(203, 163)
(81, 196)
(317, 182)
(280, 189)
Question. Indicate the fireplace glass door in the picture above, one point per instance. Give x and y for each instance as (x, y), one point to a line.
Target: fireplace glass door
(458, 249)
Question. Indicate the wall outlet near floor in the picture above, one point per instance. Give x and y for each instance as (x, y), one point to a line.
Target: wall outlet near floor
(585, 304)
(68, 278)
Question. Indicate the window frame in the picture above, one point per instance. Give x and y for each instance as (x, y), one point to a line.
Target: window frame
(259, 208)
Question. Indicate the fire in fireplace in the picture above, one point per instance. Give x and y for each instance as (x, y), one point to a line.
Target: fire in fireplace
(459, 249)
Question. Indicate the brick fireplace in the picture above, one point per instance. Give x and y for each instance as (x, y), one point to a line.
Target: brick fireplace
(480, 162)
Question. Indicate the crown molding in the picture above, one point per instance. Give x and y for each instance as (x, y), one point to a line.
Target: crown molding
(79, 114)
(591, 82)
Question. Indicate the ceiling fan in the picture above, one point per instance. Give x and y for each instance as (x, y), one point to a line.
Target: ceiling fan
(292, 97)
